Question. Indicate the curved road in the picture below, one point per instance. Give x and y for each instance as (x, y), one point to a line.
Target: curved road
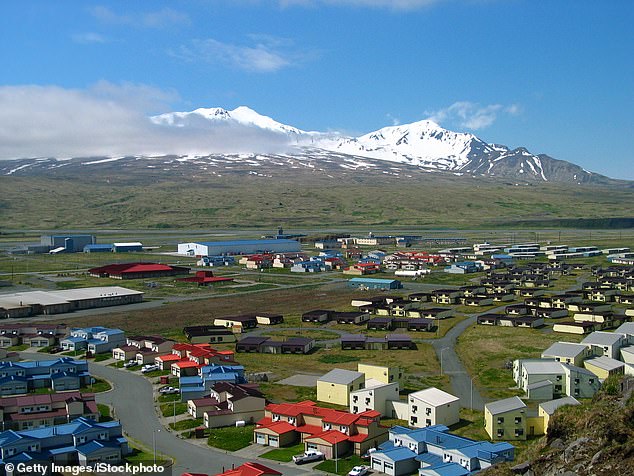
(133, 403)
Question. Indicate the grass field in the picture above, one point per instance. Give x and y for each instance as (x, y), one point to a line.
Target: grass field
(231, 438)
(487, 350)
(284, 455)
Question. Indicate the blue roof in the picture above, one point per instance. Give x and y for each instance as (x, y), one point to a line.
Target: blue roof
(398, 453)
(62, 450)
(8, 436)
(429, 458)
(74, 339)
(98, 247)
(190, 380)
(448, 469)
(373, 280)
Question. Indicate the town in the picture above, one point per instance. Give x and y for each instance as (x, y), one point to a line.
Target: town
(435, 355)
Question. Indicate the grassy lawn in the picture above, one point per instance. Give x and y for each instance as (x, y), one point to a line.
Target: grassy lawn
(74, 353)
(486, 350)
(117, 365)
(168, 409)
(174, 397)
(231, 438)
(338, 359)
(284, 455)
(155, 373)
(104, 412)
(18, 348)
(102, 357)
(187, 424)
(341, 466)
(98, 386)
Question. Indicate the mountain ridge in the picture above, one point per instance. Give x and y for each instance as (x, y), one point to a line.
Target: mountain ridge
(422, 145)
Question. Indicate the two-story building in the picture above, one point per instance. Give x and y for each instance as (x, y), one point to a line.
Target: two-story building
(59, 375)
(95, 340)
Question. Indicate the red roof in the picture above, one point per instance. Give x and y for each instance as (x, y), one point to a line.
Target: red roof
(331, 436)
(279, 427)
(185, 364)
(124, 268)
(250, 469)
(168, 357)
(310, 429)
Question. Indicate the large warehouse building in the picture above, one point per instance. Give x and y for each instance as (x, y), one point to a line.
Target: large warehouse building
(67, 243)
(238, 247)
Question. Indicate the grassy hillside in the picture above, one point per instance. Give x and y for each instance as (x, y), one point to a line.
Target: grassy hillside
(105, 198)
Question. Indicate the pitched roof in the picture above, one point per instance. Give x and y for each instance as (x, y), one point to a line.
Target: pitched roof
(506, 405)
(341, 376)
(435, 396)
(565, 349)
(552, 405)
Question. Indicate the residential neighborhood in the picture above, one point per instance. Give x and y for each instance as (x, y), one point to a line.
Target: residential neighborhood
(331, 381)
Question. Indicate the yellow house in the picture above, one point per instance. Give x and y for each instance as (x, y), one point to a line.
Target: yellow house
(506, 419)
(603, 366)
(547, 409)
(380, 373)
(336, 385)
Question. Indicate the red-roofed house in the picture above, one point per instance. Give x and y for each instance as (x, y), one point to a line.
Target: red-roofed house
(192, 356)
(250, 469)
(323, 429)
(34, 411)
(137, 271)
(204, 278)
(361, 269)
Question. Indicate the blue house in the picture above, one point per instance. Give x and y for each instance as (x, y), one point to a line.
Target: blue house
(200, 385)
(17, 378)
(82, 441)
(96, 340)
(370, 283)
(436, 452)
(311, 266)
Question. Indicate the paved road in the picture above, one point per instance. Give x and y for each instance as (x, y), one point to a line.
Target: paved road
(133, 404)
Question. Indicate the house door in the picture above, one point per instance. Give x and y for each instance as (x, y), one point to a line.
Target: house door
(531, 431)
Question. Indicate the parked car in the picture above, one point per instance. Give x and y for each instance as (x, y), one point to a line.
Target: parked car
(130, 363)
(168, 390)
(308, 457)
(54, 350)
(359, 471)
(149, 368)
(368, 454)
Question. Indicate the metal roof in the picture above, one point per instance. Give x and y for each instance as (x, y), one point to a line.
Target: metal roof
(602, 338)
(564, 349)
(435, 396)
(605, 363)
(506, 405)
(341, 376)
(243, 242)
(550, 407)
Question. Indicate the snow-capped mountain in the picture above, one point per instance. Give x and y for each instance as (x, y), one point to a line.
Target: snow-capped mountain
(241, 115)
(423, 146)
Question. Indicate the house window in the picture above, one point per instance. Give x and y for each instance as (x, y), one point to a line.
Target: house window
(576, 381)
(355, 399)
(414, 420)
(414, 409)
(427, 411)
(591, 381)
(577, 392)
(500, 433)
(500, 420)
(519, 432)
(518, 420)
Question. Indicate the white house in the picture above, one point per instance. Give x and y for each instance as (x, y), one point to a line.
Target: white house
(431, 407)
(605, 343)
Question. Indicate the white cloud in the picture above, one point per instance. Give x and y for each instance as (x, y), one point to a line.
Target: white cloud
(89, 38)
(110, 120)
(392, 4)
(265, 54)
(471, 115)
(155, 19)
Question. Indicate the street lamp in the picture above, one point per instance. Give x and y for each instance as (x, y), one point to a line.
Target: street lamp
(154, 432)
(441, 351)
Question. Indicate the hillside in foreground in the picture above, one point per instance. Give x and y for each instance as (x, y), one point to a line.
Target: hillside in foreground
(595, 438)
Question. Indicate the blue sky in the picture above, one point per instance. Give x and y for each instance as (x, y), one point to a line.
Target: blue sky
(554, 76)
